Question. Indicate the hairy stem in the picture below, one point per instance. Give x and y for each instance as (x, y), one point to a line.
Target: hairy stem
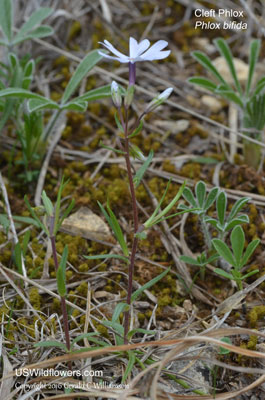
(135, 220)
(206, 233)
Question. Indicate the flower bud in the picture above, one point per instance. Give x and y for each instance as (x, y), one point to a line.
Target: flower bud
(116, 94)
(128, 99)
(158, 100)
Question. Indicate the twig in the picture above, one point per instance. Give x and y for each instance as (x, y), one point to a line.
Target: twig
(12, 225)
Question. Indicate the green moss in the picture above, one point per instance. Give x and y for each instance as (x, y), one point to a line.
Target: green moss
(82, 289)
(75, 30)
(256, 314)
(35, 298)
(252, 343)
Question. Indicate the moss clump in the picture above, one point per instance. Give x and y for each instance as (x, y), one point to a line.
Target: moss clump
(255, 315)
(252, 343)
(74, 30)
(82, 289)
(35, 298)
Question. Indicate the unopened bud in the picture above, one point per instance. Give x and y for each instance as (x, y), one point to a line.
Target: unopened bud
(157, 101)
(116, 94)
(128, 99)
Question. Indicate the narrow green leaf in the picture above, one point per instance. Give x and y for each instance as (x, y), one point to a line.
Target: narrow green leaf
(38, 33)
(106, 256)
(147, 285)
(237, 241)
(239, 204)
(130, 365)
(26, 220)
(223, 273)
(188, 196)
(66, 213)
(170, 205)
(207, 63)
(17, 92)
(61, 284)
(120, 308)
(137, 130)
(63, 260)
(51, 343)
(241, 219)
(221, 207)
(112, 149)
(116, 327)
(118, 123)
(75, 106)
(6, 18)
(37, 104)
(118, 232)
(141, 171)
(200, 190)
(140, 330)
(34, 215)
(18, 257)
(250, 274)
(259, 87)
(249, 251)
(224, 251)
(204, 160)
(35, 19)
(25, 243)
(211, 198)
(95, 94)
(47, 204)
(203, 82)
(253, 57)
(226, 53)
(83, 68)
(58, 206)
(157, 220)
(230, 95)
(213, 258)
(4, 221)
(82, 337)
(147, 223)
(189, 260)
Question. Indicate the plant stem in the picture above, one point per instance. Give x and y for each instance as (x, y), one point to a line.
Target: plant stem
(206, 233)
(51, 125)
(63, 302)
(135, 220)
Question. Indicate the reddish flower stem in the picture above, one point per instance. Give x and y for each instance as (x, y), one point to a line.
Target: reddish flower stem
(135, 220)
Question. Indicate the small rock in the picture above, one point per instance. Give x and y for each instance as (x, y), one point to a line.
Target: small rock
(187, 305)
(212, 103)
(240, 66)
(174, 127)
(86, 224)
(204, 44)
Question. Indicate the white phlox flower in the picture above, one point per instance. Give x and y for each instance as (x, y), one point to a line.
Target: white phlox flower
(138, 51)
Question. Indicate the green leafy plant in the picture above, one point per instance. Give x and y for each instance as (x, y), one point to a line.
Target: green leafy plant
(236, 258)
(50, 224)
(223, 223)
(25, 108)
(250, 100)
(201, 203)
(201, 261)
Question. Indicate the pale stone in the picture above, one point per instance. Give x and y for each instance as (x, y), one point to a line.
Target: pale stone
(174, 126)
(240, 66)
(86, 224)
(212, 103)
